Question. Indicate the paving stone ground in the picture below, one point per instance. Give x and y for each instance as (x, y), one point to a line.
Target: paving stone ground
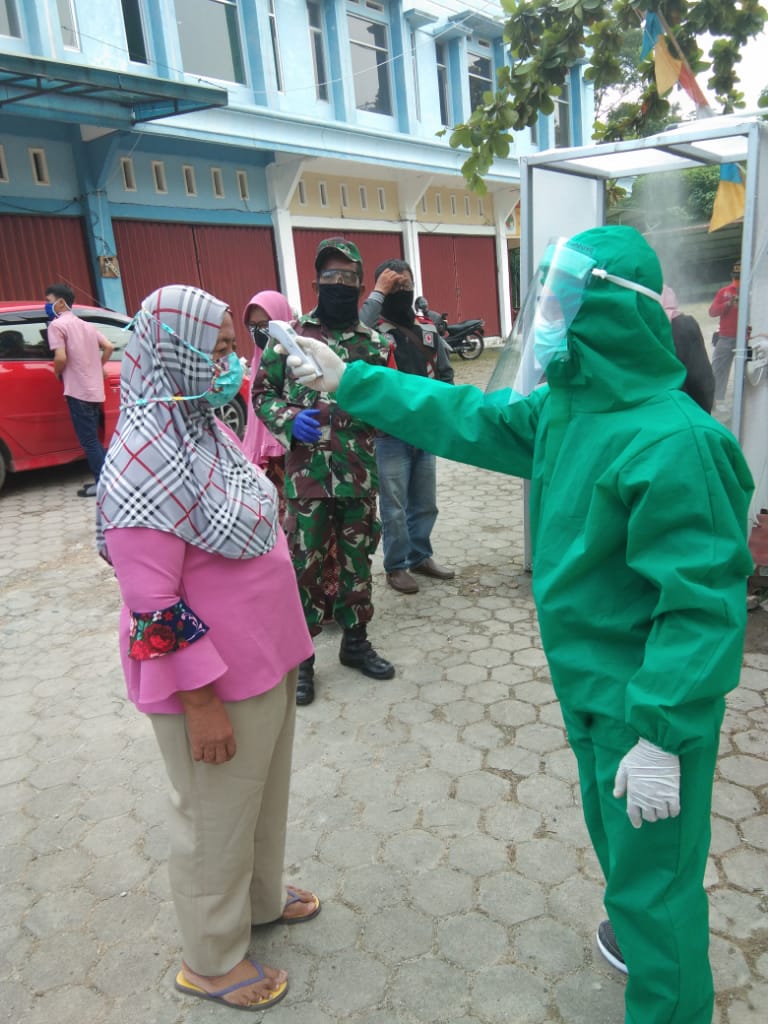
(437, 814)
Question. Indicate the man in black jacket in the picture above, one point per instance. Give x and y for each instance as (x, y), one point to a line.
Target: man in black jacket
(407, 475)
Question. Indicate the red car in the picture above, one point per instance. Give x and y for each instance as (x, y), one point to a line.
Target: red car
(35, 427)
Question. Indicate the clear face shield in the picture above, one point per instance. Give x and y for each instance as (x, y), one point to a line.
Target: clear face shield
(540, 332)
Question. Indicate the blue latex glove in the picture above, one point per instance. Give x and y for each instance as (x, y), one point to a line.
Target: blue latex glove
(305, 428)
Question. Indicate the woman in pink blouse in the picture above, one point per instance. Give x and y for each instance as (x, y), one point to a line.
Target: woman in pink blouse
(211, 632)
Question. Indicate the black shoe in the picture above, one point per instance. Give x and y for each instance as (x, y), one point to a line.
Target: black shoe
(609, 947)
(88, 491)
(356, 652)
(305, 685)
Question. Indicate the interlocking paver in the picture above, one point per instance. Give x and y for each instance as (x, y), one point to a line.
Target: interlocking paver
(437, 813)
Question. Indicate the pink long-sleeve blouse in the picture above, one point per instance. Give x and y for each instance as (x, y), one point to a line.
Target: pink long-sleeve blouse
(256, 628)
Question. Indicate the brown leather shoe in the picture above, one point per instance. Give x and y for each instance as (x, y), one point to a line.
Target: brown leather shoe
(402, 580)
(429, 567)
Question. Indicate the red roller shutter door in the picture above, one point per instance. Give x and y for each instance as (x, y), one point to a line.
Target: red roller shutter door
(37, 251)
(229, 262)
(234, 264)
(458, 274)
(374, 246)
(152, 254)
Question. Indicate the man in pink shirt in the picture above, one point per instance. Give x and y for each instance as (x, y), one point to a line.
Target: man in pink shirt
(79, 354)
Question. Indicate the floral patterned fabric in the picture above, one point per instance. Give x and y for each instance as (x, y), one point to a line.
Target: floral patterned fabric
(153, 634)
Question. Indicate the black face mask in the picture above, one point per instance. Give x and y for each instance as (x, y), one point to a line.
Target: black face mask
(260, 336)
(337, 305)
(398, 307)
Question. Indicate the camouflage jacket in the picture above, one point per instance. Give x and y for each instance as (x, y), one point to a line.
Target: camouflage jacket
(342, 464)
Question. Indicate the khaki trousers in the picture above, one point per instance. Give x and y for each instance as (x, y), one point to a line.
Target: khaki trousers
(227, 828)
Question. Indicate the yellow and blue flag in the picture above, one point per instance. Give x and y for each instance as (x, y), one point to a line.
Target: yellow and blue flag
(729, 199)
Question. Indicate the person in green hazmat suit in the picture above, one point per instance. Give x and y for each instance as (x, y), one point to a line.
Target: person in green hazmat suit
(638, 513)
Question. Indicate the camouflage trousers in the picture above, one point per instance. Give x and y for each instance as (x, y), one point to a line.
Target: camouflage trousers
(313, 526)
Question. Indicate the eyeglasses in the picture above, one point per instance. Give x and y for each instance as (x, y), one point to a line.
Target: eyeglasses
(338, 277)
(262, 328)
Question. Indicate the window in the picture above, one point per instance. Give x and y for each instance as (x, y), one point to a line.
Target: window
(480, 74)
(534, 130)
(370, 63)
(217, 183)
(318, 48)
(242, 185)
(467, 210)
(443, 85)
(158, 175)
(275, 46)
(134, 31)
(129, 178)
(562, 117)
(68, 24)
(210, 39)
(39, 167)
(190, 183)
(344, 193)
(438, 203)
(3, 166)
(323, 193)
(453, 205)
(382, 197)
(424, 203)
(363, 197)
(302, 193)
(9, 19)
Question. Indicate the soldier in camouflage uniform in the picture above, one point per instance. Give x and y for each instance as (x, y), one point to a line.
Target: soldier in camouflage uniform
(330, 465)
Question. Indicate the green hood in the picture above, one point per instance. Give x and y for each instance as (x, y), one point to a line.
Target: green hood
(620, 340)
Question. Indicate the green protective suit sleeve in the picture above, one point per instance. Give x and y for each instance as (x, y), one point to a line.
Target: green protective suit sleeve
(459, 423)
(698, 562)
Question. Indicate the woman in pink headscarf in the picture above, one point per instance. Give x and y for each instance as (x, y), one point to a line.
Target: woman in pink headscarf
(259, 445)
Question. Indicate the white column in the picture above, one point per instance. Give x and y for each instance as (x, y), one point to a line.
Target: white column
(409, 191)
(282, 178)
(504, 202)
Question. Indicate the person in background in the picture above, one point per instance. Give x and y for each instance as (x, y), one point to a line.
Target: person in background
(638, 514)
(259, 445)
(725, 305)
(79, 355)
(691, 351)
(330, 479)
(211, 632)
(407, 475)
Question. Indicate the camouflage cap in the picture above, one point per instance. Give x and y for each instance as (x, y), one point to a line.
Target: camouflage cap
(341, 246)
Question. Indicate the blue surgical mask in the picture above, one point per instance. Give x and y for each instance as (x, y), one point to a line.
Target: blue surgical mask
(550, 341)
(226, 384)
(49, 310)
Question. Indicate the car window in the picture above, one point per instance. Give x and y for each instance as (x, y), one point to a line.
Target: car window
(113, 330)
(24, 335)
(33, 338)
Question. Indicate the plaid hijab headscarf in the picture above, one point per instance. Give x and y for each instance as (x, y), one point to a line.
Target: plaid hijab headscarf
(169, 467)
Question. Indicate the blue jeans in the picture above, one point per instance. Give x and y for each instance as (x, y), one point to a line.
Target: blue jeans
(85, 420)
(722, 358)
(407, 502)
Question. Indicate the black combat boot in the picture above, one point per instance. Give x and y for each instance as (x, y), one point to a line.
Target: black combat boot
(305, 685)
(356, 652)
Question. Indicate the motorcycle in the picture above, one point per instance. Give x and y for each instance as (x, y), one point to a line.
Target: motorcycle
(465, 338)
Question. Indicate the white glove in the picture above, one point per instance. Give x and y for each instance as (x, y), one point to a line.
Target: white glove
(651, 779)
(305, 373)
